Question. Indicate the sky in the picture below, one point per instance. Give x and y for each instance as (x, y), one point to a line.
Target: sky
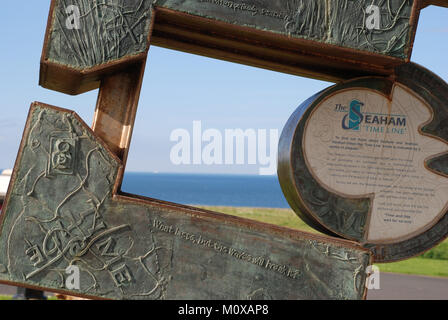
(178, 89)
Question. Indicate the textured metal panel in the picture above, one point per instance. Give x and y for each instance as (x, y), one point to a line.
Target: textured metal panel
(115, 29)
(61, 210)
(337, 22)
(107, 31)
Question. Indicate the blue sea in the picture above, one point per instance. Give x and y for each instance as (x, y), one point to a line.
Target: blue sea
(205, 189)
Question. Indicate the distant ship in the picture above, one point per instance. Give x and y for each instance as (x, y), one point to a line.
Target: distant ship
(5, 176)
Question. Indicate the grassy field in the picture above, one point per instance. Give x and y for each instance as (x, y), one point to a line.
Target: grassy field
(432, 263)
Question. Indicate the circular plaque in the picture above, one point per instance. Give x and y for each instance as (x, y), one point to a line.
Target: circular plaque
(367, 160)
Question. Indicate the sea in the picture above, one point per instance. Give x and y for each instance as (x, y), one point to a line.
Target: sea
(207, 189)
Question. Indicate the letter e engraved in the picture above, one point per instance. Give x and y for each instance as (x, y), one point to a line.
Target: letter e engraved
(374, 18)
(73, 19)
(121, 276)
(73, 281)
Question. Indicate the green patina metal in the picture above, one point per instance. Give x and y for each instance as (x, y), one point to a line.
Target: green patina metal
(63, 207)
(337, 22)
(110, 30)
(61, 212)
(107, 31)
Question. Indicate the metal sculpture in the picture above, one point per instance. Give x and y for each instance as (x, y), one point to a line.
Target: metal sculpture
(64, 207)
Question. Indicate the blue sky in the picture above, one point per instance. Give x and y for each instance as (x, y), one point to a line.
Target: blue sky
(178, 88)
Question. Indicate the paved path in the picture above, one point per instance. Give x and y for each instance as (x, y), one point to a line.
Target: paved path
(10, 291)
(7, 290)
(406, 287)
(393, 287)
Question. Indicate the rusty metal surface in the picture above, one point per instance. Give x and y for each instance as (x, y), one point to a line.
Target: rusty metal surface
(347, 217)
(62, 210)
(441, 3)
(326, 40)
(338, 22)
(116, 109)
(106, 31)
(114, 29)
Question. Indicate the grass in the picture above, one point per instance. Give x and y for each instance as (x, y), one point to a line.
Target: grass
(281, 217)
(432, 263)
(418, 266)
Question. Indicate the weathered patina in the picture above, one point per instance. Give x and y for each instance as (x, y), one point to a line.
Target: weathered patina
(329, 40)
(111, 30)
(64, 206)
(63, 210)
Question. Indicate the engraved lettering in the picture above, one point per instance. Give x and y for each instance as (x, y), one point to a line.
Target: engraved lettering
(35, 255)
(199, 240)
(160, 226)
(105, 247)
(121, 276)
